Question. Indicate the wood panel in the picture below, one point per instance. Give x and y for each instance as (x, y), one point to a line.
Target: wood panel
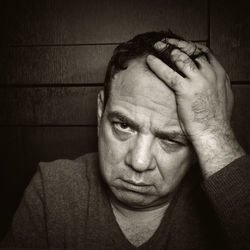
(54, 64)
(23, 147)
(230, 35)
(77, 106)
(241, 114)
(48, 105)
(112, 21)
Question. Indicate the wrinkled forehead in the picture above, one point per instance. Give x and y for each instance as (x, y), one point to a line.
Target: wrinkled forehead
(138, 85)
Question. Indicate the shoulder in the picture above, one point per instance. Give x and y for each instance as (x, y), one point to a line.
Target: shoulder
(68, 168)
(64, 175)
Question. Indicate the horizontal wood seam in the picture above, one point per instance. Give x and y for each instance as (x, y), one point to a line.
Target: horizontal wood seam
(69, 85)
(72, 44)
(46, 125)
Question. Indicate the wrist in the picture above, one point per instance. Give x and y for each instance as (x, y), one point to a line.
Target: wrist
(216, 149)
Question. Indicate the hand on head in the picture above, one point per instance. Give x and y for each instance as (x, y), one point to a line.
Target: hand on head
(203, 92)
(204, 101)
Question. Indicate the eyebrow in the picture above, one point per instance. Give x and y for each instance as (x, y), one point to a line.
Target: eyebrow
(123, 118)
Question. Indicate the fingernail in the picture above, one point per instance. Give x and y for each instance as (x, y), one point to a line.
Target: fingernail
(175, 51)
(160, 45)
(150, 57)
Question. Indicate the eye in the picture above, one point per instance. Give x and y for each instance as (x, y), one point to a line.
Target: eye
(122, 130)
(170, 145)
(122, 126)
(169, 142)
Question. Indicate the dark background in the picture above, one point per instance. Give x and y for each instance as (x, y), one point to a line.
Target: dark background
(53, 58)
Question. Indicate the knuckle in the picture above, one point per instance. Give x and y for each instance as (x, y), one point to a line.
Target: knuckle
(167, 76)
(210, 75)
(192, 67)
(206, 49)
(174, 80)
(179, 43)
(203, 47)
(195, 51)
(186, 61)
(176, 56)
(191, 48)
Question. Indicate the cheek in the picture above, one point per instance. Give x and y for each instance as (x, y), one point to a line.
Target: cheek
(111, 151)
(173, 167)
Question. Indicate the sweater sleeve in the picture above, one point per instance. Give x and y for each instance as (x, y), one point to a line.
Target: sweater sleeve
(28, 228)
(229, 192)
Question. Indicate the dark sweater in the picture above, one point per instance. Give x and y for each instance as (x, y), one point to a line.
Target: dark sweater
(66, 206)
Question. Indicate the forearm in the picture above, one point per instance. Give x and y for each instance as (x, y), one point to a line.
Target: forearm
(216, 149)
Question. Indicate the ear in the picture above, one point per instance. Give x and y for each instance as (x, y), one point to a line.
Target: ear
(100, 108)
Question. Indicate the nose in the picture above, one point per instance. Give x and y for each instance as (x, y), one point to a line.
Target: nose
(140, 155)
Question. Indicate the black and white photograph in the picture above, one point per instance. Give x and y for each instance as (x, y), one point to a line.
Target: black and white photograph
(125, 124)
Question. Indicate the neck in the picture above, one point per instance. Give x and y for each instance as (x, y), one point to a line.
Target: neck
(131, 213)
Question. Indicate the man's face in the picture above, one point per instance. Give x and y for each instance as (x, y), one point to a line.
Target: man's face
(143, 151)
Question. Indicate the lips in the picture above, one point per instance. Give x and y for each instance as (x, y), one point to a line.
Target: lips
(138, 187)
(136, 183)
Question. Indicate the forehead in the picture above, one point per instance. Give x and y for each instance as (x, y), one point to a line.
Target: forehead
(140, 93)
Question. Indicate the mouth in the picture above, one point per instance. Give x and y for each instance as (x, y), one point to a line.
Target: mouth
(136, 183)
(138, 187)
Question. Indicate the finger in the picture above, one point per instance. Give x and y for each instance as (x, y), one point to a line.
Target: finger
(203, 65)
(164, 72)
(184, 63)
(202, 60)
(188, 47)
(203, 48)
(210, 56)
(206, 69)
(160, 46)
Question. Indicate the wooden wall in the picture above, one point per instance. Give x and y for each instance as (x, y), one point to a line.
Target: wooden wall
(53, 59)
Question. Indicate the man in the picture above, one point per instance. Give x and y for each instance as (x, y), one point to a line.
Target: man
(169, 173)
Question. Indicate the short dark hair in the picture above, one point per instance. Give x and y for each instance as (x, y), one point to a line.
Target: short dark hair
(139, 46)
